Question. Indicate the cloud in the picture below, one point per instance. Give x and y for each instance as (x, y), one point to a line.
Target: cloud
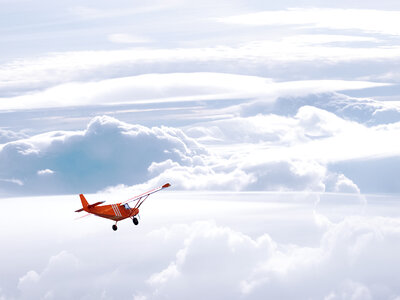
(244, 267)
(359, 19)
(45, 172)
(263, 152)
(368, 111)
(113, 153)
(32, 283)
(233, 245)
(312, 133)
(108, 152)
(259, 153)
(21, 76)
(8, 136)
(173, 87)
(124, 38)
(13, 181)
(323, 145)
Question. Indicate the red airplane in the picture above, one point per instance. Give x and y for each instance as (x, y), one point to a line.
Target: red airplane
(118, 211)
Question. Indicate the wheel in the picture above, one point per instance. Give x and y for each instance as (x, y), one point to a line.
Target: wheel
(135, 221)
(114, 227)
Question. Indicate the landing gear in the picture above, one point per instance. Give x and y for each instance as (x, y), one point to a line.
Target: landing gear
(114, 227)
(135, 221)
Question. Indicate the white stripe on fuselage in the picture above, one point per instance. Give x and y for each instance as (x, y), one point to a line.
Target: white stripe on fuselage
(116, 206)
(116, 210)
(112, 206)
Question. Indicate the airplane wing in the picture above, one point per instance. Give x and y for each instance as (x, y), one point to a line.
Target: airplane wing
(146, 194)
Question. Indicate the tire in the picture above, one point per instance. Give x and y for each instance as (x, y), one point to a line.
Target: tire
(135, 221)
(114, 227)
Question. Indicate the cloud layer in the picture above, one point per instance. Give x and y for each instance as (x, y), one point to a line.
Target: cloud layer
(324, 18)
(173, 87)
(352, 257)
(113, 153)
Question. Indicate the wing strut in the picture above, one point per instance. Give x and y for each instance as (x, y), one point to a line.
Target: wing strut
(142, 197)
(141, 200)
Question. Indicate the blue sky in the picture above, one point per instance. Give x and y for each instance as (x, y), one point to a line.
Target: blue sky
(240, 97)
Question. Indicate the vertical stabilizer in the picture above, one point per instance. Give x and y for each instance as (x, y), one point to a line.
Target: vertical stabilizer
(84, 202)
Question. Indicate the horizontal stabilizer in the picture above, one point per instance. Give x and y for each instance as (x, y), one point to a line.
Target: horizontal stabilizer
(95, 204)
(79, 210)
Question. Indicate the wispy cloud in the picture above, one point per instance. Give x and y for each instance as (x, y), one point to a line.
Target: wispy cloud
(125, 38)
(94, 12)
(31, 74)
(375, 21)
(174, 87)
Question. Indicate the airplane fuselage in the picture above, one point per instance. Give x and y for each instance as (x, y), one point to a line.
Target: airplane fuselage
(116, 212)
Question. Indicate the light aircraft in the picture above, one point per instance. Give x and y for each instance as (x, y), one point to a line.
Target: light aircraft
(118, 211)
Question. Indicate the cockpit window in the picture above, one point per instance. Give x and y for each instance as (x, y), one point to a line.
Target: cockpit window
(126, 205)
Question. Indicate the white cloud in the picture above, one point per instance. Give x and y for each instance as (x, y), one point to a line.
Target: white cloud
(326, 146)
(92, 12)
(342, 266)
(35, 74)
(13, 181)
(125, 38)
(8, 136)
(368, 111)
(234, 245)
(108, 152)
(34, 285)
(45, 172)
(385, 22)
(311, 133)
(174, 87)
(342, 184)
(264, 152)
(111, 153)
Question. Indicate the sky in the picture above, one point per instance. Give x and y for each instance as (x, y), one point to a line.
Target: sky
(277, 106)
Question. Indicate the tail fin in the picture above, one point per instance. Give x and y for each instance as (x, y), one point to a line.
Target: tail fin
(85, 204)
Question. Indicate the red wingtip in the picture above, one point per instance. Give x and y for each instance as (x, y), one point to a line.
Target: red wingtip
(166, 185)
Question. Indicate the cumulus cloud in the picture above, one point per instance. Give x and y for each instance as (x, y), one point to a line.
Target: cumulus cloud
(323, 145)
(244, 267)
(262, 247)
(345, 265)
(112, 153)
(263, 152)
(316, 132)
(108, 152)
(368, 111)
(32, 284)
(8, 136)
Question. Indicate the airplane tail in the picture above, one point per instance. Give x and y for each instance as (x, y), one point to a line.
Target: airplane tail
(85, 204)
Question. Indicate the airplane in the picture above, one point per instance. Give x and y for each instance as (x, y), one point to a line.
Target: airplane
(118, 211)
